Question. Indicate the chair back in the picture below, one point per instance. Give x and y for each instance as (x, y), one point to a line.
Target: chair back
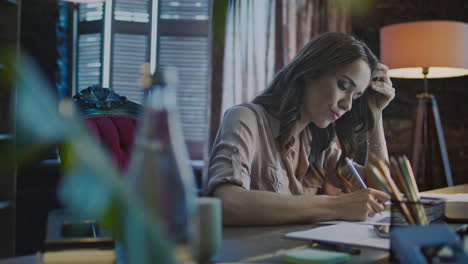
(112, 118)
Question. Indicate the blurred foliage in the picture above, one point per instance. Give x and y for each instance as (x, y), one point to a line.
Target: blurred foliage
(92, 186)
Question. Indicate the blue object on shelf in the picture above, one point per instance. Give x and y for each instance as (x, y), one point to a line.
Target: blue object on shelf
(408, 243)
(4, 204)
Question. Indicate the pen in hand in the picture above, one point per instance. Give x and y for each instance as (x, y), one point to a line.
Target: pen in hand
(355, 173)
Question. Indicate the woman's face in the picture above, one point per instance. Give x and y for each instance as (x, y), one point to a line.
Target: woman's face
(330, 96)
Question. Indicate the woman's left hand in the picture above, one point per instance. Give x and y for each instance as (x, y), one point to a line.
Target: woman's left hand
(382, 84)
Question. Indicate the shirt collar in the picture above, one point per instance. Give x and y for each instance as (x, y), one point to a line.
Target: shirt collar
(306, 136)
(274, 125)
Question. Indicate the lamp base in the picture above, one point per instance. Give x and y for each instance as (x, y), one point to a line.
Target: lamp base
(428, 130)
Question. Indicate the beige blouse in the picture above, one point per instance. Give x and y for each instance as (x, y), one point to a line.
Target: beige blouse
(246, 154)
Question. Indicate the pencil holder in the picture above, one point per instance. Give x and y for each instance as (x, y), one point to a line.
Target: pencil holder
(425, 211)
(405, 213)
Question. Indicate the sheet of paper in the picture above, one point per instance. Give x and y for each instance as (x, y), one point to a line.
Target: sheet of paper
(344, 233)
(378, 219)
(456, 197)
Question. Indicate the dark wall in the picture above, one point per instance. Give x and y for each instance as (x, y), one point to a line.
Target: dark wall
(38, 35)
(451, 93)
(37, 180)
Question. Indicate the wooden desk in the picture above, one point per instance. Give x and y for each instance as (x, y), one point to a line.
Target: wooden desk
(242, 244)
(451, 190)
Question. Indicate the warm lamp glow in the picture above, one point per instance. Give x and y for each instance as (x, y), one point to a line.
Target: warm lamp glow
(442, 46)
(434, 72)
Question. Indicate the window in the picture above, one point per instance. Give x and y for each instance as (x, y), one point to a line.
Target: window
(183, 30)
(114, 38)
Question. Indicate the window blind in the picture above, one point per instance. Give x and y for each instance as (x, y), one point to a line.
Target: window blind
(190, 56)
(185, 9)
(91, 11)
(132, 10)
(89, 60)
(130, 51)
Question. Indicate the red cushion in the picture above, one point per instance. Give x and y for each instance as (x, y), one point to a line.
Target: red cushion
(117, 134)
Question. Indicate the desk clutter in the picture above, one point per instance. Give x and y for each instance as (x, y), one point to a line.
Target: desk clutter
(413, 230)
(412, 238)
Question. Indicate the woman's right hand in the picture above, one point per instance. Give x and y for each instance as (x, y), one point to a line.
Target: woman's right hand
(358, 205)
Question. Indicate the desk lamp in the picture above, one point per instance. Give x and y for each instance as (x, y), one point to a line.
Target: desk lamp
(426, 50)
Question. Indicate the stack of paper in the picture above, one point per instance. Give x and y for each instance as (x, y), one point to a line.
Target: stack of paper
(456, 197)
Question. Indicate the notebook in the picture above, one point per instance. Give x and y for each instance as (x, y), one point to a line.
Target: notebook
(456, 206)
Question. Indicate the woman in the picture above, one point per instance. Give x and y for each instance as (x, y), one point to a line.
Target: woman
(276, 160)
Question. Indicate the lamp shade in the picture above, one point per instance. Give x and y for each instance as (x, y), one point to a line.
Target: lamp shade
(442, 46)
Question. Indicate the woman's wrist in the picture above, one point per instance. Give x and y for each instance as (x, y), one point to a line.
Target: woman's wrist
(378, 118)
(326, 207)
(376, 138)
(335, 203)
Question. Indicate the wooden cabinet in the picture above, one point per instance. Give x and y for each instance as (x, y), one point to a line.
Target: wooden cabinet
(9, 42)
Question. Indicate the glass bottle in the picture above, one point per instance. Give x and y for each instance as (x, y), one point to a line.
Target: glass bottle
(160, 169)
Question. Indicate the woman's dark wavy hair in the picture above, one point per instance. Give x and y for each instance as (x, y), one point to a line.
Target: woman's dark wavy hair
(284, 97)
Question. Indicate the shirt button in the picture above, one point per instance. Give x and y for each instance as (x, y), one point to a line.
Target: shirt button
(235, 150)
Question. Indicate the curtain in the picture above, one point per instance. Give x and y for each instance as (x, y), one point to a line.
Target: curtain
(249, 50)
(303, 19)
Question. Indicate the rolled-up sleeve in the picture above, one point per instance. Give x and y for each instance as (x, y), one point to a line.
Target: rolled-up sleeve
(331, 156)
(233, 149)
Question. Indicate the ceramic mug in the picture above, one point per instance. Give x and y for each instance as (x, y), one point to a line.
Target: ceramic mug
(209, 227)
